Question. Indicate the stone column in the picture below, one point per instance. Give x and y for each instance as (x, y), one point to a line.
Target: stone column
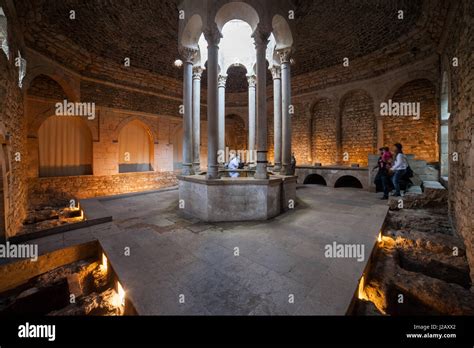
(252, 104)
(221, 80)
(212, 36)
(261, 41)
(276, 74)
(197, 71)
(188, 55)
(286, 116)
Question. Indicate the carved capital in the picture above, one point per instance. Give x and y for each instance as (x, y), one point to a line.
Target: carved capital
(212, 35)
(221, 80)
(276, 72)
(252, 80)
(188, 54)
(197, 72)
(285, 55)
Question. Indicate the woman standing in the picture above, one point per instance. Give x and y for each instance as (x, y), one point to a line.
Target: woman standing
(399, 167)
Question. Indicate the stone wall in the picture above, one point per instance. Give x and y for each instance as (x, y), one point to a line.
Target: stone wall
(60, 190)
(358, 128)
(12, 133)
(323, 132)
(460, 45)
(417, 136)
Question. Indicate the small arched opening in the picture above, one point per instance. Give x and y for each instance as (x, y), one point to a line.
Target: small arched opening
(65, 147)
(135, 148)
(314, 179)
(348, 181)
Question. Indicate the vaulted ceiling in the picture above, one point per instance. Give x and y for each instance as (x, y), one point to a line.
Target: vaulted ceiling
(105, 32)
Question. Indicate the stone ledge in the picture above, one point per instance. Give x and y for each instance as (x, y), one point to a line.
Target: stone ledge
(201, 179)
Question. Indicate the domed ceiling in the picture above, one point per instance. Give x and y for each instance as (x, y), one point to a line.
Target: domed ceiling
(105, 32)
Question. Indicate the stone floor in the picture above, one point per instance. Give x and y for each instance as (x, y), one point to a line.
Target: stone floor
(178, 265)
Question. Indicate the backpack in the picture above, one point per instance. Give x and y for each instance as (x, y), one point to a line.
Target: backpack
(409, 172)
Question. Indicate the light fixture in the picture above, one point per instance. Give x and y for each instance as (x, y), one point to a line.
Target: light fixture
(178, 63)
(120, 294)
(361, 294)
(104, 262)
(379, 238)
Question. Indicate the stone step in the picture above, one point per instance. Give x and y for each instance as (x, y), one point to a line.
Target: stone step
(414, 190)
(432, 185)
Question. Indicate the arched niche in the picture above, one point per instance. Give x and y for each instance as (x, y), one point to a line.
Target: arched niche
(135, 148)
(65, 147)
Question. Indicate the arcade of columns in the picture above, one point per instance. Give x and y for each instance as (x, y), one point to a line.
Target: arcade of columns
(257, 108)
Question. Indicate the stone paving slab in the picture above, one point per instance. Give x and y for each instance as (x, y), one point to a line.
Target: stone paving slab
(180, 266)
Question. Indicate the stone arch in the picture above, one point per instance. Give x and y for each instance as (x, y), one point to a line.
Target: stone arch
(315, 179)
(136, 148)
(235, 132)
(147, 124)
(70, 88)
(237, 10)
(281, 32)
(419, 136)
(38, 85)
(358, 127)
(348, 181)
(71, 152)
(191, 31)
(323, 129)
(415, 75)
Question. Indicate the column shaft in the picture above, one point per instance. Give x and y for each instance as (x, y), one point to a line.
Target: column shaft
(221, 91)
(276, 73)
(188, 55)
(252, 104)
(212, 36)
(261, 41)
(286, 116)
(197, 119)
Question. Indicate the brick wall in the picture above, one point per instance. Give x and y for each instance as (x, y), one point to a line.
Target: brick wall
(358, 126)
(418, 137)
(323, 132)
(47, 191)
(13, 130)
(460, 44)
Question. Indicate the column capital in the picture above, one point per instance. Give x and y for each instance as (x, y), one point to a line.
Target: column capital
(276, 72)
(285, 55)
(252, 80)
(261, 36)
(221, 80)
(188, 54)
(212, 35)
(197, 72)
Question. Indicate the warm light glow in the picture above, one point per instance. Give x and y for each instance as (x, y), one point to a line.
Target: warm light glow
(104, 263)
(121, 294)
(178, 63)
(379, 238)
(361, 293)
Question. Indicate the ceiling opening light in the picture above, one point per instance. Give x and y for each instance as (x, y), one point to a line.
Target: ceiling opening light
(178, 63)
